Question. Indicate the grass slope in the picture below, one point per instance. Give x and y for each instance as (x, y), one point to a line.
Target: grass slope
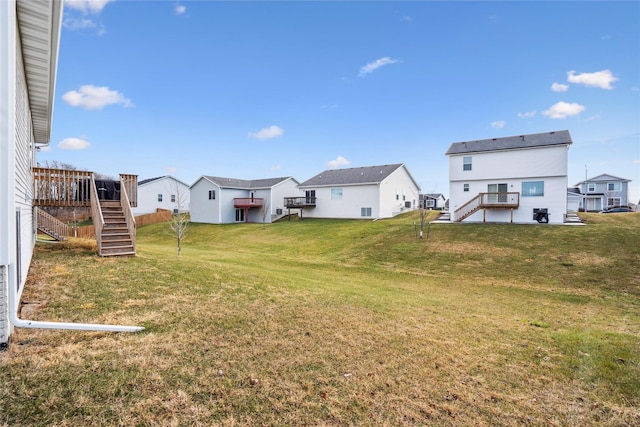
(337, 323)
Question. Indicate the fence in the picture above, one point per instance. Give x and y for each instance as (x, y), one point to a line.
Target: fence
(89, 232)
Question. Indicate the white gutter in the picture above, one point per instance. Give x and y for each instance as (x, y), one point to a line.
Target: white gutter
(14, 302)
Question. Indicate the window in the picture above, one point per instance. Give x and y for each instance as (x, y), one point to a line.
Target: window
(613, 201)
(466, 163)
(591, 187)
(336, 194)
(404, 197)
(533, 188)
(159, 197)
(614, 186)
(465, 187)
(365, 211)
(430, 203)
(173, 198)
(212, 194)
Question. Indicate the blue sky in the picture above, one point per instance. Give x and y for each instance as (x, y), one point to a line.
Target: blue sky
(267, 89)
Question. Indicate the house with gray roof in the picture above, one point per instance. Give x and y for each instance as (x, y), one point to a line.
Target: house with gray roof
(603, 192)
(219, 200)
(515, 179)
(370, 192)
(162, 192)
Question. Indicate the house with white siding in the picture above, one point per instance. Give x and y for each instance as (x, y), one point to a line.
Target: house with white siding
(518, 179)
(29, 40)
(218, 200)
(370, 192)
(164, 192)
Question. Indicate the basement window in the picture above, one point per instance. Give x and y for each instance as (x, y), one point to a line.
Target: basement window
(365, 211)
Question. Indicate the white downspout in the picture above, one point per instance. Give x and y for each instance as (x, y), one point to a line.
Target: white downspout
(14, 301)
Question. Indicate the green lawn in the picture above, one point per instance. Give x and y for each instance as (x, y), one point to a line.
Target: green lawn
(327, 322)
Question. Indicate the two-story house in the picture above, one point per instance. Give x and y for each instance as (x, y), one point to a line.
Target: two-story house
(519, 179)
(602, 192)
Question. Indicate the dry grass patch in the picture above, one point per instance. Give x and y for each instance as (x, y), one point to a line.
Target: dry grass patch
(335, 323)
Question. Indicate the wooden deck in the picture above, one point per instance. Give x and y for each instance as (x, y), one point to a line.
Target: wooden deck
(505, 200)
(111, 204)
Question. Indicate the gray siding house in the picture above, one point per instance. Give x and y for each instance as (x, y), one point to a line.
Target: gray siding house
(602, 192)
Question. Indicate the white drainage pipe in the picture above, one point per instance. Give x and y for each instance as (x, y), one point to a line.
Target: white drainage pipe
(14, 302)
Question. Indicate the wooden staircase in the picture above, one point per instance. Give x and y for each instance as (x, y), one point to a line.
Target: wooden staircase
(115, 238)
(51, 226)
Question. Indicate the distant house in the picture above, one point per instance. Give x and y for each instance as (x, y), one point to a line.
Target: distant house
(602, 192)
(574, 200)
(433, 201)
(360, 193)
(29, 40)
(217, 200)
(519, 178)
(164, 192)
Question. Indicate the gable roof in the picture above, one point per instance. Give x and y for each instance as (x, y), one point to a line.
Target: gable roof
(433, 195)
(533, 140)
(353, 176)
(604, 178)
(149, 180)
(245, 184)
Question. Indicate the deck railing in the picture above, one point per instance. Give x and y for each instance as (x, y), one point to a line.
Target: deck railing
(503, 200)
(299, 202)
(126, 208)
(60, 187)
(248, 202)
(130, 184)
(96, 213)
(51, 225)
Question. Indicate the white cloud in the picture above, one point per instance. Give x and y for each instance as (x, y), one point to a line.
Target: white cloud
(73, 144)
(559, 87)
(601, 79)
(75, 24)
(527, 115)
(267, 133)
(276, 168)
(562, 110)
(87, 6)
(372, 66)
(337, 162)
(180, 9)
(499, 124)
(92, 97)
(407, 18)
(44, 148)
(171, 169)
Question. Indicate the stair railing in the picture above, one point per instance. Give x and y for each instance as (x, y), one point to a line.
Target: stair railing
(96, 214)
(51, 225)
(126, 208)
(467, 209)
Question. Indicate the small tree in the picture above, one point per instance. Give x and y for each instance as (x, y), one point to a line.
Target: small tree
(264, 211)
(179, 223)
(423, 218)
